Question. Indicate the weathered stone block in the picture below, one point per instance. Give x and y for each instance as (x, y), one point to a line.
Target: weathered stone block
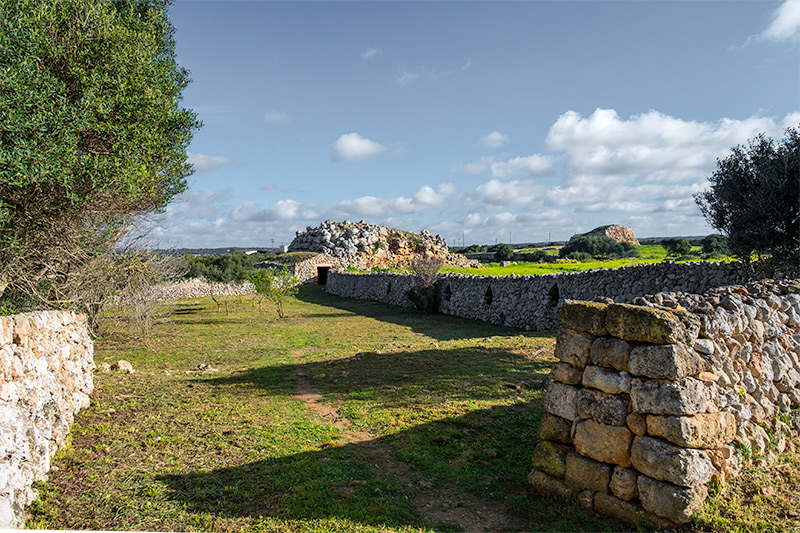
(685, 397)
(645, 324)
(661, 460)
(670, 501)
(611, 409)
(584, 317)
(573, 348)
(666, 361)
(565, 373)
(604, 443)
(554, 428)
(549, 486)
(584, 473)
(620, 510)
(703, 430)
(637, 422)
(623, 483)
(606, 380)
(550, 458)
(610, 352)
(561, 400)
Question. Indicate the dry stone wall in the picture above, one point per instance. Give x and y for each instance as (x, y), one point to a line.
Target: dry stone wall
(649, 404)
(46, 365)
(533, 302)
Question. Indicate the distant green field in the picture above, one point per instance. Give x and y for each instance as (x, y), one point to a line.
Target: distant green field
(653, 253)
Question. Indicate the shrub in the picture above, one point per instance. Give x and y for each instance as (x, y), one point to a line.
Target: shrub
(423, 290)
(504, 252)
(676, 246)
(715, 245)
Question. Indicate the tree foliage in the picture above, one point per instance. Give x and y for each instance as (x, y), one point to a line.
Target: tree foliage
(504, 252)
(676, 246)
(754, 200)
(277, 285)
(598, 247)
(91, 134)
(715, 245)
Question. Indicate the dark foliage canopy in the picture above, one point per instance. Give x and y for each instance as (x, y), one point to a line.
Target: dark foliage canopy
(91, 132)
(754, 200)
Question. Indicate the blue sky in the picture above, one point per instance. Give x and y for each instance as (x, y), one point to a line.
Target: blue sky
(487, 121)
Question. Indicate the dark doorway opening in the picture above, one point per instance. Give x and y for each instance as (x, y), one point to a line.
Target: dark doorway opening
(322, 275)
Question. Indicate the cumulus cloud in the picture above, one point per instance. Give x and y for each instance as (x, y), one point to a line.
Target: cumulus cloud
(371, 206)
(278, 117)
(371, 53)
(354, 147)
(496, 193)
(785, 22)
(203, 162)
(494, 140)
(532, 165)
(604, 144)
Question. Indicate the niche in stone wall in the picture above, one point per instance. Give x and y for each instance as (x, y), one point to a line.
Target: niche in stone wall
(553, 295)
(389, 287)
(488, 296)
(448, 292)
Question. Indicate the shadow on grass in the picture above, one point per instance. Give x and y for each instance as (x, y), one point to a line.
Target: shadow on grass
(439, 327)
(353, 482)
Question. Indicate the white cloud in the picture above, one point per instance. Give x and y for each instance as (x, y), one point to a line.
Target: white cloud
(429, 197)
(354, 147)
(477, 167)
(278, 117)
(605, 145)
(203, 162)
(496, 193)
(785, 23)
(371, 53)
(494, 140)
(269, 187)
(533, 165)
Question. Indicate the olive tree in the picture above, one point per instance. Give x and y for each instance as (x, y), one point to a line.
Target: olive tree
(92, 135)
(754, 200)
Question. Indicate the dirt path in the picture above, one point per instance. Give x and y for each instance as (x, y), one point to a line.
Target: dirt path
(447, 505)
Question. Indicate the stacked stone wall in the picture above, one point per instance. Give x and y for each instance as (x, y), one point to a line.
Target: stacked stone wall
(649, 404)
(46, 365)
(533, 302)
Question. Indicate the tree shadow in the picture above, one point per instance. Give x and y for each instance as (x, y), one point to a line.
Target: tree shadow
(376, 482)
(436, 326)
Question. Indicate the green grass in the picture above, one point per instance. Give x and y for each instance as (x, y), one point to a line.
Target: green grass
(429, 409)
(441, 405)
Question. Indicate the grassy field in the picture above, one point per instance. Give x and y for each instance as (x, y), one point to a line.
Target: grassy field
(346, 416)
(650, 254)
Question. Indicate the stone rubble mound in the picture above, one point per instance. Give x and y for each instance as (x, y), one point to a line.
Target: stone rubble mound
(614, 232)
(367, 246)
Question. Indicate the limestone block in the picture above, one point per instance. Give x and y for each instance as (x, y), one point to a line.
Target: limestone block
(685, 397)
(705, 346)
(703, 430)
(611, 409)
(561, 400)
(566, 373)
(666, 361)
(727, 462)
(623, 483)
(661, 460)
(606, 380)
(670, 501)
(610, 352)
(584, 473)
(604, 443)
(573, 348)
(623, 511)
(636, 323)
(554, 428)
(550, 458)
(637, 422)
(549, 486)
(584, 317)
